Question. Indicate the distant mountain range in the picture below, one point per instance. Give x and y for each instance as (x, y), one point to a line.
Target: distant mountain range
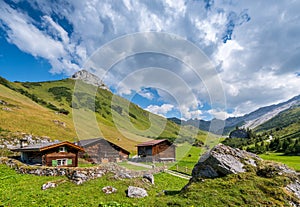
(257, 120)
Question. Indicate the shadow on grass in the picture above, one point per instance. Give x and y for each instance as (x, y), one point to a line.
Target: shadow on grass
(172, 192)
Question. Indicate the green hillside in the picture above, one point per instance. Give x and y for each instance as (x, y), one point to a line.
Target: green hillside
(49, 108)
(285, 125)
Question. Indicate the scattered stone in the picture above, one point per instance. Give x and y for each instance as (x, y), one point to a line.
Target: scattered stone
(76, 175)
(109, 190)
(122, 175)
(60, 123)
(6, 109)
(3, 102)
(149, 177)
(136, 192)
(223, 160)
(48, 185)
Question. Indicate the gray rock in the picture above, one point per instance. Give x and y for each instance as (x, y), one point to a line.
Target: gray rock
(122, 175)
(294, 188)
(3, 102)
(6, 109)
(149, 177)
(48, 185)
(109, 190)
(79, 175)
(89, 78)
(223, 160)
(136, 192)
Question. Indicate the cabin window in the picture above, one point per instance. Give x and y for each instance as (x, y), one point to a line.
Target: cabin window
(62, 149)
(149, 151)
(62, 162)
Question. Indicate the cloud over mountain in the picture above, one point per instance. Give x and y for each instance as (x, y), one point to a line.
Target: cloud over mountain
(254, 45)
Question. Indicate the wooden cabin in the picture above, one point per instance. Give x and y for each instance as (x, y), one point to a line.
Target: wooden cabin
(55, 154)
(99, 150)
(157, 150)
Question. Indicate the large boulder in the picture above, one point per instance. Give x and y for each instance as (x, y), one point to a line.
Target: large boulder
(223, 160)
(136, 192)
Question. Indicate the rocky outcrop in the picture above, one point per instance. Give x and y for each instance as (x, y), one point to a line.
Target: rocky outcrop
(89, 78)
(136, 192)
(14, 140)
(223, 160)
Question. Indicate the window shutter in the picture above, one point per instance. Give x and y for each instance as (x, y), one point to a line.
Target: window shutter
(69, 162)
(54, 163)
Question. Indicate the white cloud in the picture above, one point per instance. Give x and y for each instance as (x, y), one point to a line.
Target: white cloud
(62, 33)
(257, 64)
(161, 110)
(22, 32)
(146, 94)
(219, 114)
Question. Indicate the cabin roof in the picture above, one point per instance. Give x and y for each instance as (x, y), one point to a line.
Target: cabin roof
(45, 146)
(89, 142)
(151, 143)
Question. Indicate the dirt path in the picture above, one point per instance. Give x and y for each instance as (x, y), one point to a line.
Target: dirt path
(177, 174)
(140, 164)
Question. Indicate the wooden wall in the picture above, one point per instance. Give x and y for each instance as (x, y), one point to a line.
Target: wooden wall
(46, 157)
(103, 152)
(161, 150)
(31, 157)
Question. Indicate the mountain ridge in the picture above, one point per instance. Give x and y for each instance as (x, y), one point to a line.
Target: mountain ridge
(251, 120)
(50, 113)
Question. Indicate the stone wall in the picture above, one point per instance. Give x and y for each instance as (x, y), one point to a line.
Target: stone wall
(77, 174)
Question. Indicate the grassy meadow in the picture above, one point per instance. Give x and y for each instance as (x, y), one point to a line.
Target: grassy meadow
(245, 189)
(291, 161)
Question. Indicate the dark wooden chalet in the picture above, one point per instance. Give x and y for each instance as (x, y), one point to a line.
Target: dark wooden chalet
(157, 150)
(99, 150)
(54, 154)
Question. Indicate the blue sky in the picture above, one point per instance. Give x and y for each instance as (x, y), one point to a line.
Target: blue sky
(254, 46)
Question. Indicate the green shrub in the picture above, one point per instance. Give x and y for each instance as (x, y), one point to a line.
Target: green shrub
(61, 92)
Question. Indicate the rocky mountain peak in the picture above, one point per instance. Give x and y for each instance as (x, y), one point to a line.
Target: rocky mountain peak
(89, 78)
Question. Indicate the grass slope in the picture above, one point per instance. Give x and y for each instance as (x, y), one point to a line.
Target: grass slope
(285, 125)
(30, 117)
(116, 119)
(245, 189)
(291, 161)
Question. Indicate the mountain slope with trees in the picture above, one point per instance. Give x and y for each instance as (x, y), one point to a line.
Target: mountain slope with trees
(47, 109)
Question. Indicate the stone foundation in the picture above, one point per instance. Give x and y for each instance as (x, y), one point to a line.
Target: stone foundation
(76, 174)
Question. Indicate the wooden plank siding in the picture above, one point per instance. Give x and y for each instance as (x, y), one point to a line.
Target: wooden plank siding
(64, 154)
(102, 151)
(157, 150)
